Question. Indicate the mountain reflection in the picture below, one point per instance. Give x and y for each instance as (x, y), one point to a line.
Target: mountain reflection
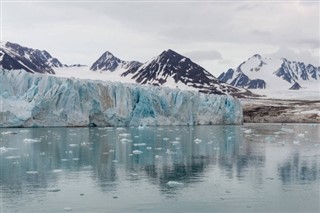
(181, 154)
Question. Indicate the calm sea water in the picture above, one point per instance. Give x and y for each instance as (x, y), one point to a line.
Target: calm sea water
(250, 168)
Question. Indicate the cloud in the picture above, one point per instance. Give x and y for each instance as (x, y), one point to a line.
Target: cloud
(260, 32)
(202, 55)
(297, 55)
(79, 32)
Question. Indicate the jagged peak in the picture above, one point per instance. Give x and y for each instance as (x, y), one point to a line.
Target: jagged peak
(109, 55)
(257, 56)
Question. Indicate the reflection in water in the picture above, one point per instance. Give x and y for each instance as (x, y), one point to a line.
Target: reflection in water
(172, 159)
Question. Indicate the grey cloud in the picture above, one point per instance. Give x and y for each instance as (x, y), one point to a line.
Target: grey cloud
(139, 30)
(200, 55)
(300, 55)
(260, 32)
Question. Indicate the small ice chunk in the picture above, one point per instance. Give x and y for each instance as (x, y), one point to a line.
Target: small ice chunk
(57, 170)
(301, 135)
(174, 184)
(247, 131)
(175, 142)
(73, 145)
(124, 135)
(32, 172)
(148, 147)
(68, 209)
(165, 139)
(3, 150)
(137, 152)
(9, 133)
(139, 144)
(13, 157)
(296, 142)
(197, 140)
(30, 140)
(120, 129)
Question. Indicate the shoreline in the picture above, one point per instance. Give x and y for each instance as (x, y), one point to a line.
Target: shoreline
(280, 111)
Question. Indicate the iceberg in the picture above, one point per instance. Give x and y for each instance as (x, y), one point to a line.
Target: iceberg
(38, 100)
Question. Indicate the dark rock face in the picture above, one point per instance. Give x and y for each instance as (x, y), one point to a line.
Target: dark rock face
(13, 57)
(108, 62)
(180, 68)
(295, 86)
(171, 67)
(224, 77)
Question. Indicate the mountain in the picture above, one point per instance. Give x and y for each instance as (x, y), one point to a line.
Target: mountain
(174, 70)
(15, 57)
(108, 62)
(265, 73)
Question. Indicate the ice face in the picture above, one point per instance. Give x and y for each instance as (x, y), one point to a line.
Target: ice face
(43, 100)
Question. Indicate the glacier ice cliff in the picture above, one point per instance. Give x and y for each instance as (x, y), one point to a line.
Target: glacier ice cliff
(34, 100)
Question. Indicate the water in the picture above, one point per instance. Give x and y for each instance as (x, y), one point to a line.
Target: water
(250, 168)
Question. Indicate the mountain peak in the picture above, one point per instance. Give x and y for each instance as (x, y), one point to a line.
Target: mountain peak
(109, 62)
(15, 56)
(257, 56)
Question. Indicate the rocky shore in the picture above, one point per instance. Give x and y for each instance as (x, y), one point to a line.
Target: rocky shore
(280, 111)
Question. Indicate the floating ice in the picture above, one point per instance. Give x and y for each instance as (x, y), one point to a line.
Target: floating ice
(175, 142)
(29, 140)
(9, 133)
(125, 135)
(13, 157)
(139, 144)
(137, 152)
(296, 142)
(301, 135)
(32, 172)
(67, 209)
(73, 145)
(124, 140)
(148, 147)
(197, 141)
(247, 131)
(174, 184)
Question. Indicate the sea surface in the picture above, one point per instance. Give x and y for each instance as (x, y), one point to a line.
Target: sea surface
(249, 168)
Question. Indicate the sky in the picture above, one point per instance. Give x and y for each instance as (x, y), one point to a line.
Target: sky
(217, 35)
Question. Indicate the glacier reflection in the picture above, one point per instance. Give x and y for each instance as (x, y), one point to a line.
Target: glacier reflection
(185, 156)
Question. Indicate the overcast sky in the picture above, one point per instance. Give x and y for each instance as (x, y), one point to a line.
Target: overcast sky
(214, 35)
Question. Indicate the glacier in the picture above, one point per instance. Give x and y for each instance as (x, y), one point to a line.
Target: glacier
(38, 100)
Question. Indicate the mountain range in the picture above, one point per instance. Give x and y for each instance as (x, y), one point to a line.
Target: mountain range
(265, 73)
(170, 69)
(15, 57)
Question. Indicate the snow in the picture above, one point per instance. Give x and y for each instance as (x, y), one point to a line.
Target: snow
(266, 72)
(85, 73)
(30, 100)
(285, 94)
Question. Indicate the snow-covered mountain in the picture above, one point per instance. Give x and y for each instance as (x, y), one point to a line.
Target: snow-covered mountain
(108, 62)
(265, 73)
(176, 71)
(16, 57)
